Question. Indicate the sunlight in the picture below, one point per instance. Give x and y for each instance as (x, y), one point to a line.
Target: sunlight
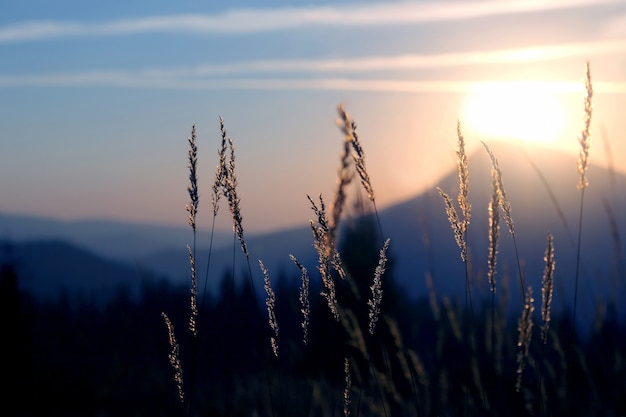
(530, 112)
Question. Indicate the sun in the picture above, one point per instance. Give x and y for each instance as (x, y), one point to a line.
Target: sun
(514, 110)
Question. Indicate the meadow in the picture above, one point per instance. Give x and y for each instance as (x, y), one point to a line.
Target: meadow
(348, 341)
(340, 339)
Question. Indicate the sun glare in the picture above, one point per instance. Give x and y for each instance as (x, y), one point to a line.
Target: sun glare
(518, 111)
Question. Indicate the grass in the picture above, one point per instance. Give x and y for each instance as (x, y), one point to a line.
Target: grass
(583, 163)
(366, 350)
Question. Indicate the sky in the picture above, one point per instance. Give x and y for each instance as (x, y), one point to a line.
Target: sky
(97, 99)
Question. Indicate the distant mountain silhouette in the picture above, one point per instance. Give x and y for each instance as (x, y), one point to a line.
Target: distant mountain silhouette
(272, 248)
(121, 250)
(421, 238)
(116, 239)
(51, 270)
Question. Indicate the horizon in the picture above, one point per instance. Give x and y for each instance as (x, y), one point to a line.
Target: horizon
(98, 102)
(503, 150)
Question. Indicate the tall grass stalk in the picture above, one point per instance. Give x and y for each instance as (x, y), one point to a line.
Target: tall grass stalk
(174, 357)
(345, 174)
(348, 388)
(524, 327)
(358, 157)
(349, 129)
(303, 297)
(459, 225)
(492, 259)
(324, 232)
(270, 303)
(494, 238)
(193, 303)
(458, 229)
(192, 188)
(192, 210)
(464, 204)
(583, 162)
(229, 190)
(305, 310)
(329, 260)
(377, 288)
(547, 291)
(326, 251)
(463, 171)
(216, 193)
(505, 208)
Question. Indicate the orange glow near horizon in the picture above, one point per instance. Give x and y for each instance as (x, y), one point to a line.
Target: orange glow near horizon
(520, 111)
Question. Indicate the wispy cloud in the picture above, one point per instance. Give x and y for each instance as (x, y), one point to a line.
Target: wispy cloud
(342, 71)
(404, 61)
(261, 20)
(303, 84)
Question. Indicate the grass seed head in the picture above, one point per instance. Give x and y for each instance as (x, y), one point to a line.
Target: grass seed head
(377, 288)
(192, 189)
(221, 170)
(270, 303)
(585, 137)
(347, 389)
(303, 297)
(456, 223)
(193, 317)
(503, 202)
(547, 287)
(494, 236)
(174, 357)
(230, 192)
(524, 327)
(463, 169)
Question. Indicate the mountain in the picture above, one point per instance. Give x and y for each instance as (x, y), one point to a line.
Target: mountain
(51, 269)
(272, 248)
(115, 239)
(540, 185)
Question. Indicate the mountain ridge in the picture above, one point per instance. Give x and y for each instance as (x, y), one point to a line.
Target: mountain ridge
(422, 242)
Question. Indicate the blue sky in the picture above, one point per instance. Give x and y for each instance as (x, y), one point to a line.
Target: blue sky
(97, 99)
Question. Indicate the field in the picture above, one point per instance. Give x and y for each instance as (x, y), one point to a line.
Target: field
(340, 339)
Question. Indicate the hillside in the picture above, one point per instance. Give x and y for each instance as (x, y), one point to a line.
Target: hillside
(115, 239)
(52, 269)
(421, 238)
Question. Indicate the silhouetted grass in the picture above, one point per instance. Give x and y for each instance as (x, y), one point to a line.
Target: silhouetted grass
(364, 349)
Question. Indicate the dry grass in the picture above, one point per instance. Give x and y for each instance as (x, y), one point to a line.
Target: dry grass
(303, 297)
(460, 224)
(270, 303)
(547, 289)
(583, 162)
(494, 237)
(174, 357)
(463, 369)
(377, 288)
(524, 328)
(505, 209)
